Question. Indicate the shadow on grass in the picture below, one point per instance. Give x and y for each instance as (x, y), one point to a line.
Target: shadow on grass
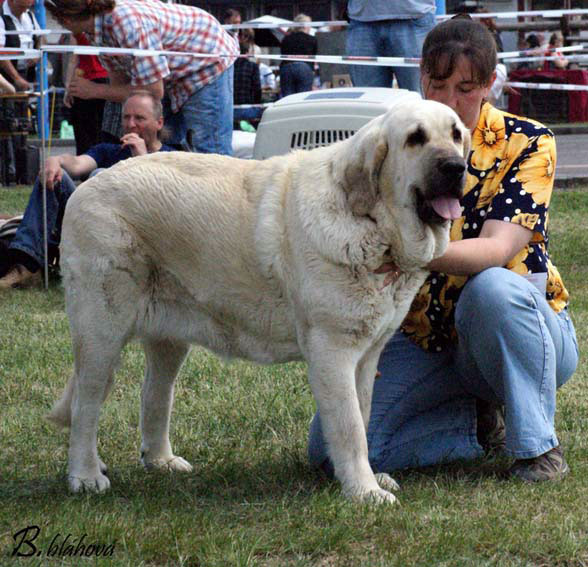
(230, 482)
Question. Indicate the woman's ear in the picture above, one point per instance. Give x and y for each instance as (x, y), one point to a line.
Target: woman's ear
(489, 85)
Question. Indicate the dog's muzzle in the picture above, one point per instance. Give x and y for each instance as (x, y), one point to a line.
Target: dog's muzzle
(439, 201)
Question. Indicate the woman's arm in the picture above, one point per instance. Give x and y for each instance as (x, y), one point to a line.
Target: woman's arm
(118, 90)
(498, 243)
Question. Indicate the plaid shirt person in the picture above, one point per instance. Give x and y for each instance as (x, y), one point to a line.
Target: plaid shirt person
(151, 24)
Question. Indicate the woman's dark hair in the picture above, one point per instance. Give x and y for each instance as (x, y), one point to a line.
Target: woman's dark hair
(452, 39)
(78, 9)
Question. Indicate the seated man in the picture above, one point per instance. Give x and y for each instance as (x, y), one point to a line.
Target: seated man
(142, 123)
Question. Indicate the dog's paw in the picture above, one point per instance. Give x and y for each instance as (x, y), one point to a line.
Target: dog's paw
(102, 465)
(377, 497)
(177, 464)
(387, 482)
(98, 483)
(174, 464)
(371, 496)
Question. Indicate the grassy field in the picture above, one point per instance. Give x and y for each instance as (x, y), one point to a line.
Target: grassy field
(252, 499)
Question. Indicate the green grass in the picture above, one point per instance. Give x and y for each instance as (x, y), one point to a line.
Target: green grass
(252, 499)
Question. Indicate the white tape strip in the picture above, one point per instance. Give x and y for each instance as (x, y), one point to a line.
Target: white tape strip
(547, 86)
(507, 57)
(117, 51)
(262, 105)
(41, 31)
(578, 57)
(283, 25)
(16, 53)
(339, 23)
(533, 52)
(530, 13)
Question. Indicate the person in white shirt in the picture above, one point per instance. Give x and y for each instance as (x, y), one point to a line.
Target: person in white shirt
(17, 16)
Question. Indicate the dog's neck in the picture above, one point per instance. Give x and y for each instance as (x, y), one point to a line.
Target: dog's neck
(391, 270)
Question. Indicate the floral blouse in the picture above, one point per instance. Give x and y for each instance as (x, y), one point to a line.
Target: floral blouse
(510, 177)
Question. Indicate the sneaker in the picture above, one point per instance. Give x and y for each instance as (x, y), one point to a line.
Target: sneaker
(491, 430)
(19, 276)
(549, 466)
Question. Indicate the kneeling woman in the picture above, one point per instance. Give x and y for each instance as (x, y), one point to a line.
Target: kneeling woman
(488, 339)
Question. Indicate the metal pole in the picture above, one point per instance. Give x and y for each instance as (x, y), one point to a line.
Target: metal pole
(43, 176)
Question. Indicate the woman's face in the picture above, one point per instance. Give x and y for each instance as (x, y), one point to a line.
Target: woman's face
(459, 91)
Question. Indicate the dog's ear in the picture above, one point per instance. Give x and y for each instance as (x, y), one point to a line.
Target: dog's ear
(360, 169)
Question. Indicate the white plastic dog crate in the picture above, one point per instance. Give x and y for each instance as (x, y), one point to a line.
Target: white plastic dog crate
(318, 118)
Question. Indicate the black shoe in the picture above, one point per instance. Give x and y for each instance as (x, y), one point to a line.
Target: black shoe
(549, 466)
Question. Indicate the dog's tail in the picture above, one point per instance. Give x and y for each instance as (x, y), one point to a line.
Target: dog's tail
(60, 414)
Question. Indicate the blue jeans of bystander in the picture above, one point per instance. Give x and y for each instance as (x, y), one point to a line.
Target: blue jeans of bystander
(387, 38)
(208, 113)
(295, 77)
(29, 236)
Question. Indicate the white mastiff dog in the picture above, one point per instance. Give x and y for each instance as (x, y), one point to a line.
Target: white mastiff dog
(314, 255)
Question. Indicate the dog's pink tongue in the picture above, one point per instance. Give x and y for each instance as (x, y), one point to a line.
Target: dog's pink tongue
(447, 207)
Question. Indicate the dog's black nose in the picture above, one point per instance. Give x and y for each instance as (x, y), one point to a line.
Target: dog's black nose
(452, 168)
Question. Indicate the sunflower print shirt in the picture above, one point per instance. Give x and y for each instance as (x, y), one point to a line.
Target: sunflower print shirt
(510, 177)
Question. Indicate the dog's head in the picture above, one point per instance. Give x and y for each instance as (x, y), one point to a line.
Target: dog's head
(413, 156)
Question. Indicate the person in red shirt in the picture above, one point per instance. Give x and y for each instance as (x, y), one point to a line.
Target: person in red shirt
(86, 114)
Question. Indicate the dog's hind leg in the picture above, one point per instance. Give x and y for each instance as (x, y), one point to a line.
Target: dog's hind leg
(101, 324)
(332, 376)
(96, 359)
(164, 359)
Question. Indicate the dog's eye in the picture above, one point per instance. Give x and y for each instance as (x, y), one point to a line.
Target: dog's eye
(417, 138)
(457, 137)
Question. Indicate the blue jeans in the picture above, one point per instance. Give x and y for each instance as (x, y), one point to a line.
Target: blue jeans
(247, 114)
(387, 38)
(295, 77)
(29, 236)
(513, 349)
(208, 113)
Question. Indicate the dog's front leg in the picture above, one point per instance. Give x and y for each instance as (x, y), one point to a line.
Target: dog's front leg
(364, 379)
(332, 376)
(164, 359)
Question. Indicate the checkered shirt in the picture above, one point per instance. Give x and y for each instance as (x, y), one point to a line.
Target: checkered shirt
(151, 24)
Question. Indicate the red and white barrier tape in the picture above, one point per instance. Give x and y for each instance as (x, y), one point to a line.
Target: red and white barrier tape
(533, 52)
(547, 86)
(547, 14)
(570, 58)
(16, 53)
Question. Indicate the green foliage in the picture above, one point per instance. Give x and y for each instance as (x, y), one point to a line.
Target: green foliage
(252, 501)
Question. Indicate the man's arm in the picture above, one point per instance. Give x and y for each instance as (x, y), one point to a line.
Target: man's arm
(5, 86)
(76, 166)
(117, 91)
(19, 82)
